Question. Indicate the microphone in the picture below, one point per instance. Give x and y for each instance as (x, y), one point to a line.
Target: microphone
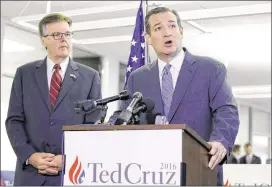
(126, 115)
(146, 105)
(87, 105)
(137, 97)
(151, 117)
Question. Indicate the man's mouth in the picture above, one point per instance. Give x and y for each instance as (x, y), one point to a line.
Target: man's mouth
(168, 43)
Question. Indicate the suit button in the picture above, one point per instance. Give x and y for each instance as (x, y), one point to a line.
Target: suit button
(52, 123)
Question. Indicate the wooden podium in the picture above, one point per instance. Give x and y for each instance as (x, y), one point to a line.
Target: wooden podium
(136, 155)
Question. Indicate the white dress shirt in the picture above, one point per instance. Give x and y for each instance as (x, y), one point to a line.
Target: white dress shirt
(176, 64)
(249, 158)
(50, 69)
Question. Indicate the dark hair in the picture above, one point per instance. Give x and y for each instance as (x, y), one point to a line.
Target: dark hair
(51, 18)
(157, 11)
(236, 148)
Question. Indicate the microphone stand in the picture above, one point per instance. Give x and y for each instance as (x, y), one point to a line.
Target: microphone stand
(132, 118)
(104, 110)
(135, 117)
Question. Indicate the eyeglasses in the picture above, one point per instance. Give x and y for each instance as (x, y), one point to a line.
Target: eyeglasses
(58, 35)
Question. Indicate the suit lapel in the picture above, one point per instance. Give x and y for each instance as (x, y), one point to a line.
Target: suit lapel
(186, 74)
(156, 89)
(253, 161)
(71, 76)
(41, 78)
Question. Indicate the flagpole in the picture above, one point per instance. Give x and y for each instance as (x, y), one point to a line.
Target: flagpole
(146, 44)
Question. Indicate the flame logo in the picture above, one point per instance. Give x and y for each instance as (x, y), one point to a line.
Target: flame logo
(227, 183)
(2, 182)
(76, 173)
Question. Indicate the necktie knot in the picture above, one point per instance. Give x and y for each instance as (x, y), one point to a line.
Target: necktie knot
(57, 67)
(166, 69)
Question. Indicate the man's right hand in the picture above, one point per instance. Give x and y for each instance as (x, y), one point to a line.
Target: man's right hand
(42, 161)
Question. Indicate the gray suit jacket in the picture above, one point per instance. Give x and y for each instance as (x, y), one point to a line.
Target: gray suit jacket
(202, 98)
(232, 160)
(255, 160)
(31, 124)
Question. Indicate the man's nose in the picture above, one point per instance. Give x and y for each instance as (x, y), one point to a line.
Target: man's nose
(63, 38)
(167, 32)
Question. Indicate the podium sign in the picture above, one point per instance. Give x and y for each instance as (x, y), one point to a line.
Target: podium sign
(247, 174)
(127, 157)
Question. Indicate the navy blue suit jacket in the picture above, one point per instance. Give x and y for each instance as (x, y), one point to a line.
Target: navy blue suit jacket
(31, 124)
(202, 99)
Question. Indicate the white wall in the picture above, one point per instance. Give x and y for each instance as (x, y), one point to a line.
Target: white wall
(6, 149)
(261, 133)
(110, 82)
(260, 122)
(12, 60)
(9, 63)
(243, 133)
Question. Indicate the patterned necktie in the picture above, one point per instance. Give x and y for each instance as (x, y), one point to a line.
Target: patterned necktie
(167, 88)
(55, 85)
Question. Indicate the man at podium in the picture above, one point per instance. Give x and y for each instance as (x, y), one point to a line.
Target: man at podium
(186, 89)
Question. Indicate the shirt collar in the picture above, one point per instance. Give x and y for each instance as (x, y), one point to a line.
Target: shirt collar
(50, 64)
(250, 155)
(176, 62)
(235, 155)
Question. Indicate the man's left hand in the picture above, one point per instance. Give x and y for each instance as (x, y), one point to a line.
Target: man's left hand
(53, 170)
(218, 152)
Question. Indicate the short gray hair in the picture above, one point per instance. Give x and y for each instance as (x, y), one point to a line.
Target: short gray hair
(157, 11)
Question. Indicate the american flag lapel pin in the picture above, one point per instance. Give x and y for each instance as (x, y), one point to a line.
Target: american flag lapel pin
(73, 76)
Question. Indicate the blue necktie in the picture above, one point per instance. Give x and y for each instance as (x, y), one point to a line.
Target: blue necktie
(167, 89)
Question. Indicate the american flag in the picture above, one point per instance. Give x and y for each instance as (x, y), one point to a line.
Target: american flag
(137, 49)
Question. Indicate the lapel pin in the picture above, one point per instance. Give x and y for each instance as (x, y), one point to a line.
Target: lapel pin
(73, 76)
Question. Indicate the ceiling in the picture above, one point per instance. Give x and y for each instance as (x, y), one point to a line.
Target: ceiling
(238, 33)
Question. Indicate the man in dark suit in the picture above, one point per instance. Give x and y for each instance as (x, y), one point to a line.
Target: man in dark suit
(249, 158)
(42, 101)
(234, 156)
(187, 89)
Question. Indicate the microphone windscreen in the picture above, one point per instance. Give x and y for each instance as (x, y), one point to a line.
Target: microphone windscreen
(124, 95)
(138, 95)
(150, 105)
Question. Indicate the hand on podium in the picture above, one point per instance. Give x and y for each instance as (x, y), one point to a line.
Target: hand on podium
(218, 152)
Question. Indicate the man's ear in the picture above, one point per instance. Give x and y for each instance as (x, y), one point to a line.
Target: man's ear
(148, 39)
(181, 32)
(43, 41)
